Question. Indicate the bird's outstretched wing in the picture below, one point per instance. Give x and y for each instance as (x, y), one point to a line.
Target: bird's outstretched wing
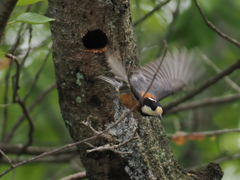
(177, 69)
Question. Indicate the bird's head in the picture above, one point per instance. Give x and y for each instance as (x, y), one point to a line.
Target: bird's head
(150, 107)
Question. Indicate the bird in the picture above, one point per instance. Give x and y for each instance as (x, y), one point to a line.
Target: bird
(176, 70)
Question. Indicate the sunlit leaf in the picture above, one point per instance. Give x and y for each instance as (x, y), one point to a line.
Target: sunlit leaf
(33, 18)
(26, 2)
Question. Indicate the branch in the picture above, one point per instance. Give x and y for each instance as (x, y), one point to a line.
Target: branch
(17, 99)
(29, 46)
(8, 159)
(5, 105)
(31, 125)
(5, 110)
(235, 156)
(180, 137)
(206, 133)
(159, 66)
(231, 157)
(6, 8)
(150, 13)
(215, 28)
(31, 107)
(204, 86)
(16, 76)
(58, 159)
(77, 176)
(37, 76)
(205, 102)
(226, 78)
(20, 34)
(14, 149)
(112, 148)
(12, 51)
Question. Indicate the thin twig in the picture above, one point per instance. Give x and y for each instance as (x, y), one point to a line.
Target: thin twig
(221, 160)
(31, 126)
(5, 110)
(150, 13)
(20, 34)
(204, 86)
(5, 105)
(8, 159)
(235, 156)
(14, 149)
(17, 99)
(12, 51)
(37, 76)
(207, 133)
(204, 103)
(110, 147)
(31, 107)
(226, 78)
(15, 77)
(55, 159)
(84, 140)
(77, 176)
(105, 136)
(29, 46)
(159, 66)
(215, 28)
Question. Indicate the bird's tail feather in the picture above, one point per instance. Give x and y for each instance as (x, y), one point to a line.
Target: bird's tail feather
(115, 83)
(116, 67)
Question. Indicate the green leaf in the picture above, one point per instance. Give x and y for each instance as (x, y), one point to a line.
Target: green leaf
(26, 2)
(33, 18)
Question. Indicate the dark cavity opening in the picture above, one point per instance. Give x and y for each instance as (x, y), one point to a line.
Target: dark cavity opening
(95, 39)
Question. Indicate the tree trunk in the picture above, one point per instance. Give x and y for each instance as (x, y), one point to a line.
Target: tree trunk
(6, 8)
(81, 32)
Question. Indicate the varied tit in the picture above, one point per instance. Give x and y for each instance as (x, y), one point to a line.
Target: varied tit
(175, 72)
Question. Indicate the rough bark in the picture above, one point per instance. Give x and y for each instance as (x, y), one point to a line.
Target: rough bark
(6, 8)
(82, 97)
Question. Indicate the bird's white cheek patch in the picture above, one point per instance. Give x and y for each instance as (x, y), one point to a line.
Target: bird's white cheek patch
(147, 110)
(159, 110)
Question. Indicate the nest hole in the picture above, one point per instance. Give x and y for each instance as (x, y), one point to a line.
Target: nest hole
(95, 41)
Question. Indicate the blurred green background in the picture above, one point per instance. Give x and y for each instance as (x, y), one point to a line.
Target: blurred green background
(187, 30)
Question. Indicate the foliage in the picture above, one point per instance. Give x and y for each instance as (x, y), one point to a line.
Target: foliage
(26, 2)
(33, 18)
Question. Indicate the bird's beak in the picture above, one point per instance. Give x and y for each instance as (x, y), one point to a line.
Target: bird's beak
(160, 116)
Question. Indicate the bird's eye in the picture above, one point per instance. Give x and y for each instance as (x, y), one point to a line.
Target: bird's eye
(152, 99)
